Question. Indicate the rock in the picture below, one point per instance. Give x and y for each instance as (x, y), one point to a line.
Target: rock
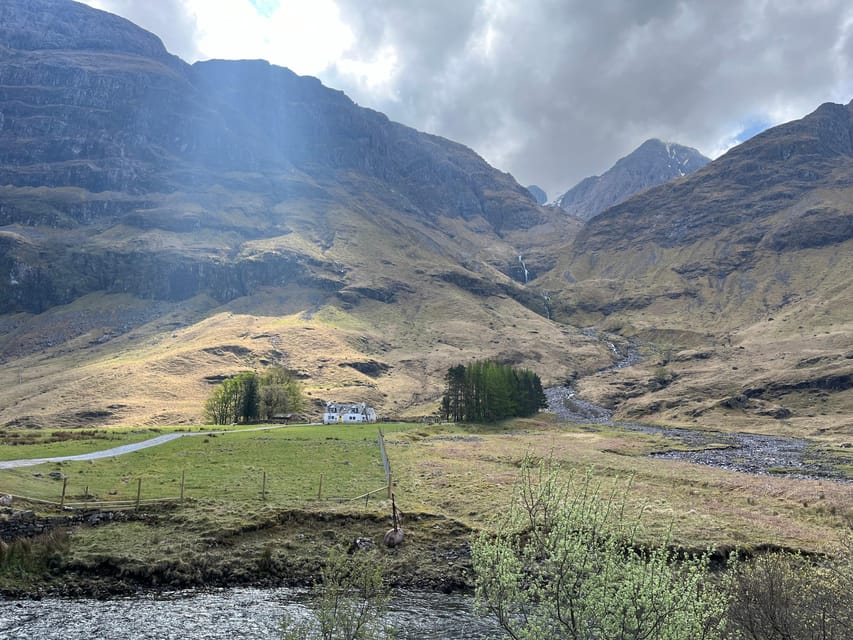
(5, 500)
(393, 538)
(779, 413)
(361, 544)
(56, 475)
(735, 402)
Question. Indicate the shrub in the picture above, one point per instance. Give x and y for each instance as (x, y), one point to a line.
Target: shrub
(348, 603)
(784, 596)
(565, 564)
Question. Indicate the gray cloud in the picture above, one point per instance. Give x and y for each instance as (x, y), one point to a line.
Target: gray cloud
(568, 86)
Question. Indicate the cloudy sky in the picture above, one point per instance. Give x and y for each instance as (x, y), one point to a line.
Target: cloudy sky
(550, 90)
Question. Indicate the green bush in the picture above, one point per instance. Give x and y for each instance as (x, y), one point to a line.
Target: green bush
(248, 397)
(348, 603)
(566, 564)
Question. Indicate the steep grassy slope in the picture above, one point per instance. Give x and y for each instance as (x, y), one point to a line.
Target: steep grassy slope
(739, 275)
(163, 225)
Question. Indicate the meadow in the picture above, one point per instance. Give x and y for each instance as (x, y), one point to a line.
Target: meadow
(450, 480)
(282, 465)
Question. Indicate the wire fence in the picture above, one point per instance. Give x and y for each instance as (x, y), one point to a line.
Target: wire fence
(63, 489)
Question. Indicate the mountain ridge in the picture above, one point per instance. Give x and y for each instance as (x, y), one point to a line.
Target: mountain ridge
(652, 163)
(738, 271)
(161, 216)
(165, 225)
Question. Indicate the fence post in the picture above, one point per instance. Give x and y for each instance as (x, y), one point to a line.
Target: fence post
(264, 487)
(385, 463)
(62, 499)
(320, 490)
(390, 485)
(138, 492)
(183, 475)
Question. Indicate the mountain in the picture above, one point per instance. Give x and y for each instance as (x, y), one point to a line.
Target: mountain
(740, 273)
(538, 194)
(163, 225)
(652, 163)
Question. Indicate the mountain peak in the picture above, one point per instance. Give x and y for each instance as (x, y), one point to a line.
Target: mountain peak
(44, 25)
(652, 163)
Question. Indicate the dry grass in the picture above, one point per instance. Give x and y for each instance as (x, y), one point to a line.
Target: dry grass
(470, 472)
(155, 372)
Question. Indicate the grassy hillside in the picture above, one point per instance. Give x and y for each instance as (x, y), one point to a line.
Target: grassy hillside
(735, 282)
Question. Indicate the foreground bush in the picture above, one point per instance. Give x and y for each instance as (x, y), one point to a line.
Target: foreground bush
(348, 602)
(565, 564)
(784, 596)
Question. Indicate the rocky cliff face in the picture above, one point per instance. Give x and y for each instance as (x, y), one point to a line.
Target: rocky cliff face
(786, 188)
(652, 163)
(107, 137)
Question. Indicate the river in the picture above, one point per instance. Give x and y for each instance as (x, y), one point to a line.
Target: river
(743, 452)
(245, 613)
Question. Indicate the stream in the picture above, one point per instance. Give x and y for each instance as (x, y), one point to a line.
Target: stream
(743, 452)
(246, 613)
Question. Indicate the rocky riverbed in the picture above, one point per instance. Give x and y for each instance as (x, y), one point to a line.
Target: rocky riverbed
(743, 452)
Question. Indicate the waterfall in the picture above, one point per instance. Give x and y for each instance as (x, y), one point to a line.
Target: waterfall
(524, 267)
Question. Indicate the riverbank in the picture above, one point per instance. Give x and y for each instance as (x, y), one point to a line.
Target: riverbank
(750, 453)
(110, 554)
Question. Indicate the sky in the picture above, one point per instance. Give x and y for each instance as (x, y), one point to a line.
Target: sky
(551, 91)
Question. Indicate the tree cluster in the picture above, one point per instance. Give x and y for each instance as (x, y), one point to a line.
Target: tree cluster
(485, 391)
(250, 397)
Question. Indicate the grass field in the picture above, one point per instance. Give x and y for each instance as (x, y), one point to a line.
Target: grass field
(470, 472)
(450, 480)
(229, 466)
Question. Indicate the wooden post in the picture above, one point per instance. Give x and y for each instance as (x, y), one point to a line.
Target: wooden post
(183, 476)
(264, 487)
(62, 499)
(138, 492)
(320, 490)
(390, 485)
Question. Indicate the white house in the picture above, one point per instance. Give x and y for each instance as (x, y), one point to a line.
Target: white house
(348, 412)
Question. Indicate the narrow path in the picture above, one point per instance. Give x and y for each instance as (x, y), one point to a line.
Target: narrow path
(125, 448)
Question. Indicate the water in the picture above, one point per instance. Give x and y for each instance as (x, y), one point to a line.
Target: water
(743, 452)
(524, 268)
(246, 613)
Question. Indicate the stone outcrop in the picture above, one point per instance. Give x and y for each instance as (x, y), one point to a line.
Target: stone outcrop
(115, 156)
